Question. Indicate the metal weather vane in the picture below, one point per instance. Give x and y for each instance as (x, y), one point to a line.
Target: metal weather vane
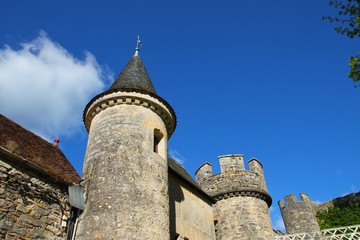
(138, 45)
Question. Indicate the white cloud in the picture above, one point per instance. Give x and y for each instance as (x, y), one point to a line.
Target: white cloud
(45, 89)
(177, 156)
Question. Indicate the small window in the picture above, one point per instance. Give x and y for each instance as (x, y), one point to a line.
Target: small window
(157, 140)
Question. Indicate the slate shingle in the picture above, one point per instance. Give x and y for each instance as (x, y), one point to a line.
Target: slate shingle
(134, 76)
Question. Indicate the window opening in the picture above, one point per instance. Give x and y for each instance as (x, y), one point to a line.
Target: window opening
(157, 139)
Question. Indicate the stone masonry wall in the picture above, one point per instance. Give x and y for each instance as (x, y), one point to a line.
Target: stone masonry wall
(31, 207)
(233, 182)
(242, 201)
(126, 182)
(299, 216)
(242, 218)
(191, 214)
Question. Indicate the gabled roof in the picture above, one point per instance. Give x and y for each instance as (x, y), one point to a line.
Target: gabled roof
(21, 145)
(134, 76)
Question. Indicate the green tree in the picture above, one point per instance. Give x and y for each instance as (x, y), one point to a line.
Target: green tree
(348, 23)
(346, 214)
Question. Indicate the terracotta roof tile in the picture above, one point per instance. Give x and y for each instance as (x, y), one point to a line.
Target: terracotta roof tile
(36, 151)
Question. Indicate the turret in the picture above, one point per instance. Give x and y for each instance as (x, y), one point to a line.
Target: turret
(242, 200)
(125, 170)
(203, 172)
(299, 216)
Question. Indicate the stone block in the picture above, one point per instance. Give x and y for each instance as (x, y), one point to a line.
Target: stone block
(31, 220)
(6, 225)
(22, 209)
(36, 233)
(19, 230)
(54, 230)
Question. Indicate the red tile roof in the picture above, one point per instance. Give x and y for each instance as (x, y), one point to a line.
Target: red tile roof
(35, 151)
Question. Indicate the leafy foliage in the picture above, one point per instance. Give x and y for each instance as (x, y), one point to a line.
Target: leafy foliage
(348, 21)
(339, 216)
(354, 63)
(349, 17)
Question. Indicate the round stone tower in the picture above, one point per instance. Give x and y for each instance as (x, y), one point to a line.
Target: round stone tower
(242, 200)
(125, 170)
(299, 216)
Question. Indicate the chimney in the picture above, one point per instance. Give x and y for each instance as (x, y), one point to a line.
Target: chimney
(56, 142)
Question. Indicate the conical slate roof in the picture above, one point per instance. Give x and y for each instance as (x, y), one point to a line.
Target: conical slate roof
(134, 76)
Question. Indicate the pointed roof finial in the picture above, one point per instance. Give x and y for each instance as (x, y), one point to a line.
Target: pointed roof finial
(138, 46)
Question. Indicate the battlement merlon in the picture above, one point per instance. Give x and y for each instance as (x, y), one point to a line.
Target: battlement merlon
(231, 163)
(256, 166)
(305, 198)
(290, 200)
(203, 172)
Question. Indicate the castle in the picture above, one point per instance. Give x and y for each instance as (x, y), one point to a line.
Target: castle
(130, 187)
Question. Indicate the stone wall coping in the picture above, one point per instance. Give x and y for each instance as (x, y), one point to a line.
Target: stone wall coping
(251, 192)
(231, 155)
(155, 104)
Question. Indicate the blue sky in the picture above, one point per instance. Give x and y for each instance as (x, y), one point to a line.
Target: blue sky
(267, 79)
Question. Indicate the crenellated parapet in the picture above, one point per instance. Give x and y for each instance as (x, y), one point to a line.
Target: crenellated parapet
(233, 179)
(292, 202)
(299, 216)
(242, 201)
